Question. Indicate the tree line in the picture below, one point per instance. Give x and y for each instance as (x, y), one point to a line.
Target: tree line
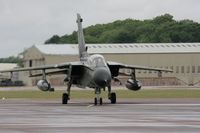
(161, 29)
(12, 59)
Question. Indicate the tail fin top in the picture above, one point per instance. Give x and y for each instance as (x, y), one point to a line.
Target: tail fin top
(81, 40)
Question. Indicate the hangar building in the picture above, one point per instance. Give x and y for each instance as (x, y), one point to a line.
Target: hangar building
(182, 58)
(6, 66)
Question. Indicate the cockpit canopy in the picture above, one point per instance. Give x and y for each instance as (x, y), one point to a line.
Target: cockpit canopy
(97, 61)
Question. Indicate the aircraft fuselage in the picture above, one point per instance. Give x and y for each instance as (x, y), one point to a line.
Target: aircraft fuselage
(96, 74)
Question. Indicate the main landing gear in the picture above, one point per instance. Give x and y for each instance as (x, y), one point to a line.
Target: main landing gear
(66, 96)
(111, 96)
(97, 100)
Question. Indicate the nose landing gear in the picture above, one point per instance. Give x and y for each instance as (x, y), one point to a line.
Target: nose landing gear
(98, 99)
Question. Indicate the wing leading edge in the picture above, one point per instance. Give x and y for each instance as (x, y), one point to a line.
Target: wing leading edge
(115, 66)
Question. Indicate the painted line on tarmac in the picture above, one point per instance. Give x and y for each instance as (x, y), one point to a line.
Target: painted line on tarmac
(91, 105)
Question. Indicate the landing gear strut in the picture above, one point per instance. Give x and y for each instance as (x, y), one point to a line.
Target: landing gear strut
(66, 96)
(98, 99)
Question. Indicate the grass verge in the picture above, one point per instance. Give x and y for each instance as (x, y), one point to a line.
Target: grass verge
(79, 94)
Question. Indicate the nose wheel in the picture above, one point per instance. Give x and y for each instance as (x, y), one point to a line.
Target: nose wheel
(98, 99)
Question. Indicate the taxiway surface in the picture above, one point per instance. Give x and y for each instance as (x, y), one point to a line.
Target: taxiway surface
(129, 116)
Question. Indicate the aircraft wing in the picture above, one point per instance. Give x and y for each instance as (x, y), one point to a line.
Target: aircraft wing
(63, 67)
(114, 66)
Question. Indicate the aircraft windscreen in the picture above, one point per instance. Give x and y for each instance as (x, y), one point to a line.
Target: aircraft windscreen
(98, 61)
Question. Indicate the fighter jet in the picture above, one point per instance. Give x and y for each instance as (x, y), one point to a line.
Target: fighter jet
(92, 71)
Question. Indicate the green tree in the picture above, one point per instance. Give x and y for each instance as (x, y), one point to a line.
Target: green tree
(12, 59)
(53, 39)
(162, 29)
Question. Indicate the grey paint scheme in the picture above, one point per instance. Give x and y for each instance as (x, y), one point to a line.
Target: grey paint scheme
(91, 71)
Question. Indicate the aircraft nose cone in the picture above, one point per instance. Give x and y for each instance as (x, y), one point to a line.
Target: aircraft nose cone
(102, 77)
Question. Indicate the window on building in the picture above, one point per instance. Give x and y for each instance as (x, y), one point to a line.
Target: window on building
(177, 69)
(188, 69)
(182, 69)
(30, 63)
(128, 71)
(193, 69)
(198, 69)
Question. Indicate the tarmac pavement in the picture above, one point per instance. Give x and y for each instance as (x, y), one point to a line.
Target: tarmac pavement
(81, 116)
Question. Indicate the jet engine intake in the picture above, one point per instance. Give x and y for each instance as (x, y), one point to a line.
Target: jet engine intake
(133, 85)
(43, 85)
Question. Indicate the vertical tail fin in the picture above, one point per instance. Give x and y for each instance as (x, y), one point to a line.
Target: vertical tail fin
(81, 40)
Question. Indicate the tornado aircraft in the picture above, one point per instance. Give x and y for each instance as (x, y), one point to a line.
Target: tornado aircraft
(92, 71)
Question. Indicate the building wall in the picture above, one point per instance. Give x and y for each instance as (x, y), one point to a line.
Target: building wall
(186, 66)
(33, 57)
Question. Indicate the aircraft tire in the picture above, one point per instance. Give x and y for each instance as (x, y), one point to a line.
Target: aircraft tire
(95, 101)
(101, 101)
(65, 98)
(113, 98)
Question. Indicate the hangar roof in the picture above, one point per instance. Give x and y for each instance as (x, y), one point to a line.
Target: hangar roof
(122, 48)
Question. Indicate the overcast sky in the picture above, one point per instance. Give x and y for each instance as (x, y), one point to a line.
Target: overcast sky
(24, 23)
